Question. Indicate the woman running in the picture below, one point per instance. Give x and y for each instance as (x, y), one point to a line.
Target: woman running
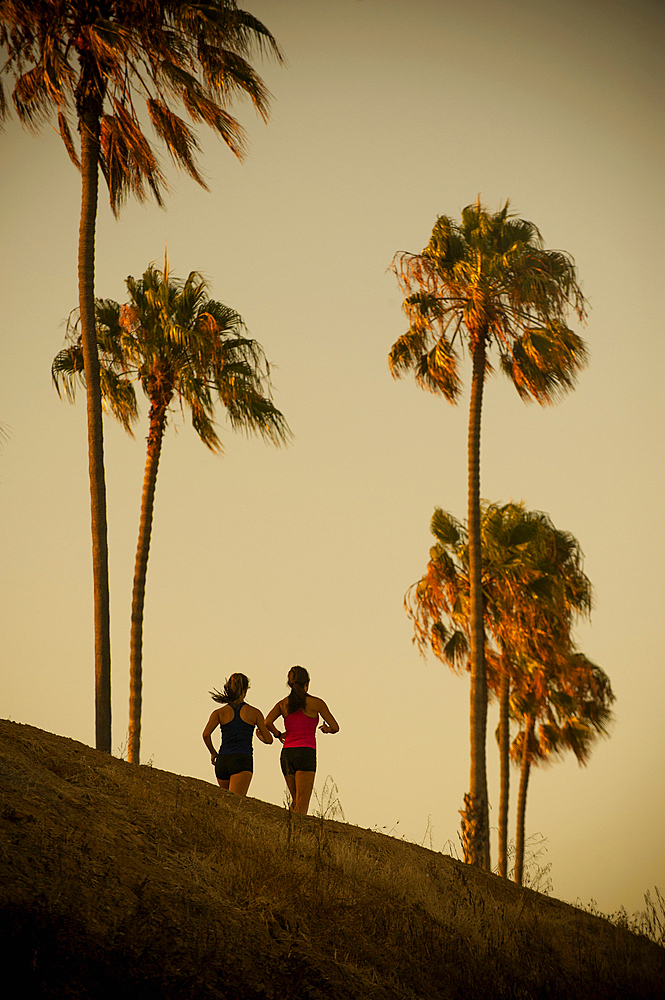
(300, 711)
(234, 764)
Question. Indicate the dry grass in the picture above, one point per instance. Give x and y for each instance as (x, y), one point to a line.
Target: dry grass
(134, 882)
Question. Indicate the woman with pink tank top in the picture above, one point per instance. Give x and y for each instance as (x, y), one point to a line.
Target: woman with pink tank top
(300, 712)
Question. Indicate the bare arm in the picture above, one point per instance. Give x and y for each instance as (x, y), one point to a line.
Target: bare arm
(271, 718)
(330, 724)
(211, 726)
(262, 730)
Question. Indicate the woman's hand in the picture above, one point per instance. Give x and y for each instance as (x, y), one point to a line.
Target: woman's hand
(213, 758)
(325, 728)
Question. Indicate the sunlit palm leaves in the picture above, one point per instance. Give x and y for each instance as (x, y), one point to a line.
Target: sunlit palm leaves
(528, 566)
(173, 56)
(489, 279)
(181, 345)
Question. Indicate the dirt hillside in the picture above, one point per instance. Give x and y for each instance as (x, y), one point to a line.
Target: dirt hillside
(136, 883)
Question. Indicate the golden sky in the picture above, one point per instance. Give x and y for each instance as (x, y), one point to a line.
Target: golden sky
(386, 115)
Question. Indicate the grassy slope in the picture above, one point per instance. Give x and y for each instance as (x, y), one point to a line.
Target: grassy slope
(133, 882)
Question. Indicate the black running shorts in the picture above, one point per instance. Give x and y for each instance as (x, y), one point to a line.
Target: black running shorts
(232, 763)
(295, 759)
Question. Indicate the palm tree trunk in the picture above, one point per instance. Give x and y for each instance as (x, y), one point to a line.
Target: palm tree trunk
(475, 815)
(504, 758)
(521, 798)
(89, 129)
(155, 436)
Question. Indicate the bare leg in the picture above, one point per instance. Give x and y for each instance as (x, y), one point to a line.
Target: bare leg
(291, 785)
(304, 786)
(240, 782)
(223, 784)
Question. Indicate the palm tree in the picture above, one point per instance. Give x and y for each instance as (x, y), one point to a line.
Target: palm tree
(563, 705)
(88, 61)
(180, 345)
(532, 606)
(439, 607)
(530, 570)
(487, 280)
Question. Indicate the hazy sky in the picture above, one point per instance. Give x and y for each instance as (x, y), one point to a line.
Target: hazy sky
(386, 115)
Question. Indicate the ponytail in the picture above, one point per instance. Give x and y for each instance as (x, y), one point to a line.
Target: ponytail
(235, 688)
(296, 680)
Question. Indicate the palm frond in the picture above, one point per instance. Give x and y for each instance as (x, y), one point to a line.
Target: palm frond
(544, 362)
(211, 23)
(437, 371)
(127, 161)
(228, 74)
(59, 78)
(407, 352)
(250, 34)
(31, 99)
(202, 108)
(227, 320)
(253, 413)
(178, 138)
(446, 529)
(451, 647)
(68, 140)
(204, 426)
(118, 397)
(109, 43)
(446, 246)
(67, 371)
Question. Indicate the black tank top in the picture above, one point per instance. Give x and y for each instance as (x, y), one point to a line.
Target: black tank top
(237, 734)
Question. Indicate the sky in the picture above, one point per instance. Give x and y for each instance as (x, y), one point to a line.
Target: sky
(384, 116)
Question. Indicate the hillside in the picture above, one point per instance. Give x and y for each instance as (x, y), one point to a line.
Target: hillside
(134, 882)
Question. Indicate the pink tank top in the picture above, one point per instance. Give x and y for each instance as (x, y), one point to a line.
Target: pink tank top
(300, 730)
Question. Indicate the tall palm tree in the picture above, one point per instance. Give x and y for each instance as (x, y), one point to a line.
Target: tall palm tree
(88, 61)
(530, 570)
(487, 280)
(180, 345)
(563, 704)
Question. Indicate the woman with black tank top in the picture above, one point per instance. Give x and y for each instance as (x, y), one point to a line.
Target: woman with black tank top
(234, 764)
(300, 712)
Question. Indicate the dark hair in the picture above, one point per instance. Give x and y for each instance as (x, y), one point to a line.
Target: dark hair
(297, 678)
(235, 688)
